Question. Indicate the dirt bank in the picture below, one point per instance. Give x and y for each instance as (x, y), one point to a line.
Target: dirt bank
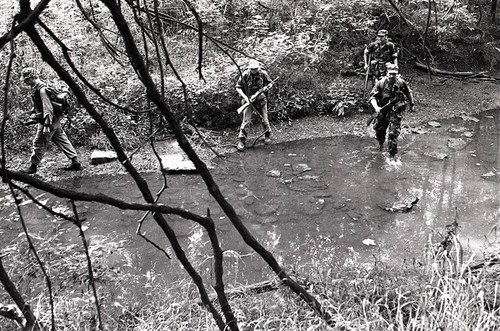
(436, 99)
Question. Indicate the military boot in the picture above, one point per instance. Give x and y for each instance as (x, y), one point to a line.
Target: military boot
(75, 165)
(30, 170)
(267, 139)
(241, 145)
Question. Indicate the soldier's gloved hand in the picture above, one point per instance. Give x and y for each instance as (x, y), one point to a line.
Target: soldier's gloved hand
(46, 128)
(366, 66)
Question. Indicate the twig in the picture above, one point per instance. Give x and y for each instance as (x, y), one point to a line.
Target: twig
(5, 100)
(65, 49)
(144, 142)
(33, 250)
(78, 223)
(158, 194)
(43, 206)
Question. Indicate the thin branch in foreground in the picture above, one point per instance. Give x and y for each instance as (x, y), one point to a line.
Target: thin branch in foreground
(78, 223)
(5, 110)
(42, 205)
(157, 197)
(33, 250)
(94, 89)
(27, 319)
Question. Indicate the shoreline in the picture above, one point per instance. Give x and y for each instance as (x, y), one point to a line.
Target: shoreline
(440, 99)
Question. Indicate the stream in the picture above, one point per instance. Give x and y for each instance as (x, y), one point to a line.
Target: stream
(336, 200)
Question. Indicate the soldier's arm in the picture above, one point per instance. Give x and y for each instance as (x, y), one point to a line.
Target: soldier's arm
(239, 88)
(48, 110)
(373, 97)
(394, 54)
(409, 96)
(365, 55)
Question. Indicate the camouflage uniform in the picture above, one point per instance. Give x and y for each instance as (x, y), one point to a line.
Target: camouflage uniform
(397, 93)
(381, 53)
(251, 83)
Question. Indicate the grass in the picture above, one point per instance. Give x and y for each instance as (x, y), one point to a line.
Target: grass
(443, 293)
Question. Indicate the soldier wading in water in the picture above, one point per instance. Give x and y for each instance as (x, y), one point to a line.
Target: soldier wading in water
(389, 97)
(253, 80)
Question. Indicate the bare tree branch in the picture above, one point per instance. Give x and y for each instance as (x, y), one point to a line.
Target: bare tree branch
(11, 289)
(101, 198)
(200, 36)
(78, 223)
(213, 188)
(29, 19)
(41, 265)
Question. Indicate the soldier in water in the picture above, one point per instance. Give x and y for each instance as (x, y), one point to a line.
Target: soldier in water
(389, 97)
(250, 82)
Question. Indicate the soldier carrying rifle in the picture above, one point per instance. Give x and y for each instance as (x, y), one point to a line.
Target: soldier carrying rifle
(251, 82)
(389, 97)
(48, 124)
(378, 54)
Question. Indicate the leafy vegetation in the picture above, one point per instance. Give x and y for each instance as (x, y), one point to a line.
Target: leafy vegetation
(308, 44)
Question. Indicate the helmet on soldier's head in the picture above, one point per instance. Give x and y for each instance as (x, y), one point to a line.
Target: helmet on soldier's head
(29, 73)
(392, 68)
(253, 64)
(382, 33)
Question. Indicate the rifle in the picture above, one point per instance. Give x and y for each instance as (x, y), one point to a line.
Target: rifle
(375, 116)
(256, 94)
(367, 75)
(34, 119)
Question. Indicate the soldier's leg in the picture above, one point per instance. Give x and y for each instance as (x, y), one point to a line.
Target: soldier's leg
(40, 144)
(380, 128)
(266, 127)
(394, 132)
(265, 120)
(242, 136)
(61, 140)
(247, 118)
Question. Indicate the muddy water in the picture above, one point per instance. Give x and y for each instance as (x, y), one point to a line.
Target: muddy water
(310, 200)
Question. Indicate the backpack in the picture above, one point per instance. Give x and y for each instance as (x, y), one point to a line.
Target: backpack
(60, 99)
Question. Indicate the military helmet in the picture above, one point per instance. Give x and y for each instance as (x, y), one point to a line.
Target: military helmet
(253, 64)
(29, 73)
(382, 33)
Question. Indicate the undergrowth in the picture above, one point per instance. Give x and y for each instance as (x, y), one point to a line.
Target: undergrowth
(441, 292)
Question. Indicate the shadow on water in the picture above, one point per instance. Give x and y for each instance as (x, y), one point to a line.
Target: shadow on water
(311, 200)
